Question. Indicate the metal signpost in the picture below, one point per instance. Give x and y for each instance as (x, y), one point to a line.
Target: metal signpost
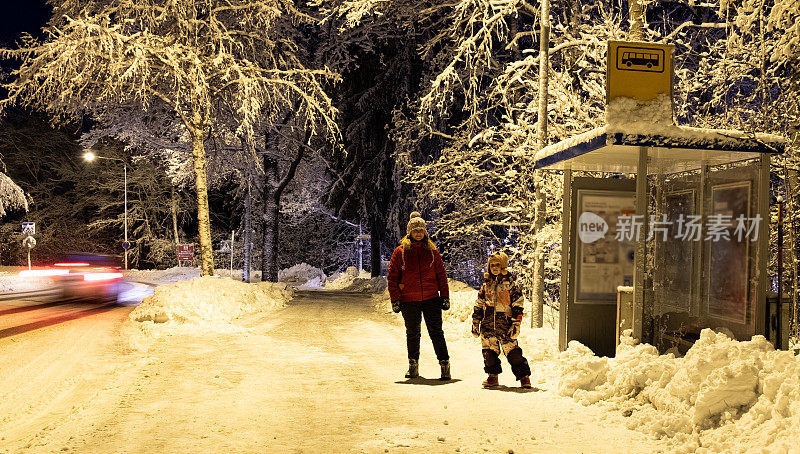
(226, 246)
(29, 229)
(30, 242)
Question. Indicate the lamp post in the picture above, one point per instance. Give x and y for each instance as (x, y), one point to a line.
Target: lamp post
(90, 156)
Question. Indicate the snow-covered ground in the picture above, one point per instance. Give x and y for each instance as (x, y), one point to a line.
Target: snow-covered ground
(723, 396)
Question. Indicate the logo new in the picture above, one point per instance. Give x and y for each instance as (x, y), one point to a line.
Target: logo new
(591, 227)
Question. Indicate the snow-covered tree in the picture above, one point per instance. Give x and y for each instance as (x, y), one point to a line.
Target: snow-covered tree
(12, 197)
(185, 54)
(380, 70)
(467, 139)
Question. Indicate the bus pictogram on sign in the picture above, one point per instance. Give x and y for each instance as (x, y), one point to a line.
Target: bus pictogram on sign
(640, 59)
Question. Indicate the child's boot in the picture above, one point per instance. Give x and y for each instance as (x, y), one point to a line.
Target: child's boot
(525, 382)
(413, 368)
(491, 382)
(445, 369)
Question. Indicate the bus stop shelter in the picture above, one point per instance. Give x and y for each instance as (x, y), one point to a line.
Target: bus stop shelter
(665, 232)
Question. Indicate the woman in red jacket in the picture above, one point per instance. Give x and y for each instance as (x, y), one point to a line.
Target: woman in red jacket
(418, 288)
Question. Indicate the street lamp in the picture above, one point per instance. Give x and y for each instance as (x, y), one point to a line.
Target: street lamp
(90, 156)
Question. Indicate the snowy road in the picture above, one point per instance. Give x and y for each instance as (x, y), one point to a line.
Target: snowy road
(325, 374)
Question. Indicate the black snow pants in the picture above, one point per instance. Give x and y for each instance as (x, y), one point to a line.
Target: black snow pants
(412, 316)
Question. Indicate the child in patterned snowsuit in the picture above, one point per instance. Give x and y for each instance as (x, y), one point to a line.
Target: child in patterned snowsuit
(496, 318)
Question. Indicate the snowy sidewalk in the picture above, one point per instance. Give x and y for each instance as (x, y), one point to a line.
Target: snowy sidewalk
(324, 375)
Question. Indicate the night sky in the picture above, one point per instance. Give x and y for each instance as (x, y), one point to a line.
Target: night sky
(20, 16)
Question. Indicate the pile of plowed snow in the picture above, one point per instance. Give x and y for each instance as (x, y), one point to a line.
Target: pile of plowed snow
(303, 276)
(723, 396)
(11, 282)
(353, 280)
(157, 277)
(206, 304)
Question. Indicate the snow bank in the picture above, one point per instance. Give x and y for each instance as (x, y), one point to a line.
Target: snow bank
(339, 281)
(159, 277)
(723, 396)
(206, 304)
(354, 280)
(302, 275)
(11, 282)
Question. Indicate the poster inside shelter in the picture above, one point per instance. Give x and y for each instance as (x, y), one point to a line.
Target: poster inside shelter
(728, 263)
(602, 262)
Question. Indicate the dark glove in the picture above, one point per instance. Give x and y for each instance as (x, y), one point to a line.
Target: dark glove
(396, 306)
(476, 327)
(445, 303)
(513, 332)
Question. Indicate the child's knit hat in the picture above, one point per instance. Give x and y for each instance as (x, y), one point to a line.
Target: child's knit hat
(498, 257)
(416, 222)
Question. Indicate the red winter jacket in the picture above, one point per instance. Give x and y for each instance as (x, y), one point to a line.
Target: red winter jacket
(424, 276)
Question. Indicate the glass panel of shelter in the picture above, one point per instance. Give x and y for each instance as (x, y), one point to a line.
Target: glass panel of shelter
(699, 272)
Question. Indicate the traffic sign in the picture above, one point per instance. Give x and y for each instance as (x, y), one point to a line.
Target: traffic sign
(29, 228)
(126, 245)
(638, 70)
(225, 246)
(185, 252)
(363, 237)
(29, 241)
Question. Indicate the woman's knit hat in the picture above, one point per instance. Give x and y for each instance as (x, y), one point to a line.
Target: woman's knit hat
(416, 222)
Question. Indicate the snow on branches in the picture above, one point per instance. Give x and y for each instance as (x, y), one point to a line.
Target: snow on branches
(12, 197)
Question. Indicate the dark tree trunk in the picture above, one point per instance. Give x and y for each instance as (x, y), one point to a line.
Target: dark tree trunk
(269, 233)
(376, 232)
(273, 189)
(269, 247)
(248, 228)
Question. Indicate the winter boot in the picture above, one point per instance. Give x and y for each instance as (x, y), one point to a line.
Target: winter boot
(445, 369)
(525, 382)
(491, 382)
(413, 369)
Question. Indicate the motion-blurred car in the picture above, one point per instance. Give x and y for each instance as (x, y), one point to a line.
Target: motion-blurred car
(85, 277)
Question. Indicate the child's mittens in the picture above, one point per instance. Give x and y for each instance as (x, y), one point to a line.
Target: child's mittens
(477, 316)
(513, 332)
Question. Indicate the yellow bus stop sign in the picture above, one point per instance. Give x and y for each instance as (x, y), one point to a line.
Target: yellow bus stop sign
(641, 71)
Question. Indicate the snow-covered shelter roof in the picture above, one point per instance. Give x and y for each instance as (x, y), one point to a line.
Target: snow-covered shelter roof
(615, 148)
